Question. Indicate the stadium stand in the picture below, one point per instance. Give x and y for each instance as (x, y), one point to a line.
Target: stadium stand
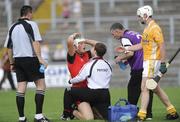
(122, 8)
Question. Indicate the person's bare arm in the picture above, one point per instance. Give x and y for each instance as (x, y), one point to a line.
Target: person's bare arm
(11, 59)
(37, 49)
(134, 47)
(162, 51)
(70, 43)
(90, 42)
(163, 67)
(124, 56)
(10, 55)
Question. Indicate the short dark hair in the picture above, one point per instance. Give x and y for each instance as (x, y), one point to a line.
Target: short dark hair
(117, 26)
(25, 10)
(100, 49)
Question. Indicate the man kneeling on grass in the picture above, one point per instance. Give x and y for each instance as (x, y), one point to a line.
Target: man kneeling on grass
(98, 73)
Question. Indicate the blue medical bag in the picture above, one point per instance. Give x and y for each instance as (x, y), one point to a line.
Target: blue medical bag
(118, 113)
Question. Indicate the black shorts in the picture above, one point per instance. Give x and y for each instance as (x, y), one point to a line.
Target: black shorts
(27, 69)
(98, 98)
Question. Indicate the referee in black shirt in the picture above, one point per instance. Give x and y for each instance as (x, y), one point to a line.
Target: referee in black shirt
(23, 43)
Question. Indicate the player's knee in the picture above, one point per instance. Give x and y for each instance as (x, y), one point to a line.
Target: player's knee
(89, 117)
(85, 109)
(40, 84)
(21, 87)
(144, 90)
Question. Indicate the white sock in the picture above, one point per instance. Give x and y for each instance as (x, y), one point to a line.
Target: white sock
(22, 118)
(38, 116)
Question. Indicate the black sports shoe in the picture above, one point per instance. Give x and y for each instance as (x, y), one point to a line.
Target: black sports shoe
(72, 116)
(172, 117)
(66, 118)
(44, 119)
(149, 117)
(23, 120)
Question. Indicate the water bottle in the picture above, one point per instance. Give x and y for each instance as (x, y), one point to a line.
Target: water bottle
(42, 68)
(122, 65)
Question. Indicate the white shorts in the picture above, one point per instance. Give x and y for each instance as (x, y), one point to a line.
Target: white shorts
(151, 68)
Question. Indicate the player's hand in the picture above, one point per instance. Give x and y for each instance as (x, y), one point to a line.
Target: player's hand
(163, 68)
(120, 49)
(42, 61)
(117, 59)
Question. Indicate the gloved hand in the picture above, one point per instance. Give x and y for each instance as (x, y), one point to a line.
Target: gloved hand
(163, 68)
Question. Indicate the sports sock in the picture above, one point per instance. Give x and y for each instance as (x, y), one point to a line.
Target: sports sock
(67, 113)
(20, 100)
(142, 114)
(171, 110)
(39, 100)
(68, 101)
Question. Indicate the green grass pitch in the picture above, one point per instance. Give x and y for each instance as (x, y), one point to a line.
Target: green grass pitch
(54, 102)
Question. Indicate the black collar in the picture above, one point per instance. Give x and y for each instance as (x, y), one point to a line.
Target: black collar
(21, 19)
(98, 58)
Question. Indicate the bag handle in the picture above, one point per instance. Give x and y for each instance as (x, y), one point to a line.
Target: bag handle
(122, 100)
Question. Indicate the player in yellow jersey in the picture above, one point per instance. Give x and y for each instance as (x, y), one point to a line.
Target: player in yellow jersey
(154, 60)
